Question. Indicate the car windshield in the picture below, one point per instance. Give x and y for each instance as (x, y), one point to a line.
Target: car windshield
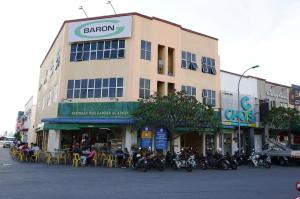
(9, 139)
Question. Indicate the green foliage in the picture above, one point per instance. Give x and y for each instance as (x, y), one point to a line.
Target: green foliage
(176, 110)
(17, 135)
(282, 118)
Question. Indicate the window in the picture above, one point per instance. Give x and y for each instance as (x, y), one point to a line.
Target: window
(188, 60)
(145, 50)
(57, 60)
(144, 88)
(209, 97)
(95, 88)
(55, 93)
(110, 49)
(49, 98)
(208, 65)
(189, 90)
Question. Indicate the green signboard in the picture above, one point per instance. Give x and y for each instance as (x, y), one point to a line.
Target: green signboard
(97, 110)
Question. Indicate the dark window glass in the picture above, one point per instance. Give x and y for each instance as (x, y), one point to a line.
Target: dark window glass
(114, 54)
(142, 83)
(100, 45)
(120, 82)
(121, 54)
(84, 83)
(147, 84)
(73, 48)
(70, 94)
(79, 47)
(93, 55)
(93, 46)
(148, 46)
(147, 93)
(83, 93)
(189, 92)
(86, 56)
(114, 44)
(143, 45)
(143, 54)
(120, 92)
(112, 82)
(106, 54)
(87, 47)
(70, 84)
(91, 83)
(105, 92)
(112, 92)
(183, 55)
(77, 83)
(79, 57)
(148, 55)
(107, 44)
(98, 83)
(90, 93)
(121, 43)
(183, 63)
(193, 91)
(76, 93)
(105, 82)
(97, 93)
(72, 57)
(141, 94)
(99, 54)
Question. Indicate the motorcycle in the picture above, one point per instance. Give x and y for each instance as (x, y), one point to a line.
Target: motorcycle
(140, 162)
(256, 160)
(183, 161)
(157, 162)
(240, 157)
(216, 161)
(233, 164)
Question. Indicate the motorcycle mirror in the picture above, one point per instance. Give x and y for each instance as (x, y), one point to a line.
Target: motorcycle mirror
(298, 185)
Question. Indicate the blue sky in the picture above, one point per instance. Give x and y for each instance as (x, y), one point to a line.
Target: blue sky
(264, 32)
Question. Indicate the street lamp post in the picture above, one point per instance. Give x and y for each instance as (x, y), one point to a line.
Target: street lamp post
(239, 121)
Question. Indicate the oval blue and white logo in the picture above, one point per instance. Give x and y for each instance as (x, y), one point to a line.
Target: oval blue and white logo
(119, 27)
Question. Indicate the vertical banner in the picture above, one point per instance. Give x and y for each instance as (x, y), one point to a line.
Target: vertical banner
(161, 139)
(146, 138)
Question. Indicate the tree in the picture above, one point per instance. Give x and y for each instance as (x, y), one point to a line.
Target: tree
(176, 110)
(281, 118)
(18, 135)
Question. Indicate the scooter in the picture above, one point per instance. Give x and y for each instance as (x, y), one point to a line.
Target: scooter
(256, 160)
(182, 162)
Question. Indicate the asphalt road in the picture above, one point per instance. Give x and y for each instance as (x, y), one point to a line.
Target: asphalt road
(40, 181)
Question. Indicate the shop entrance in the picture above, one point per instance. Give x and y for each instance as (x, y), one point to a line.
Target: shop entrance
(194, 140)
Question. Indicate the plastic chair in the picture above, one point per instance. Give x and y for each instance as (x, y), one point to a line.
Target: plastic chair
(95, 160)
(22, 156)
(76, 159)
(48, 158)
(129, 161)
(111, 161)
(36, 156)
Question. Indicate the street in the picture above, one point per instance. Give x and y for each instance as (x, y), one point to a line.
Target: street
(38, 180)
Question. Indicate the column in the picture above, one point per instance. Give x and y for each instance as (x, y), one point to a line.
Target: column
(53, 140)
(128, 138)
(203, 144)
(251, 139)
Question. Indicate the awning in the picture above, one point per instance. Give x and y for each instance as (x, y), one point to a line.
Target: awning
(49, 126)
(68, 120)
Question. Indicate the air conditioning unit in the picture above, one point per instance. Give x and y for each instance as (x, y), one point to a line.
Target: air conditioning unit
(161, 63)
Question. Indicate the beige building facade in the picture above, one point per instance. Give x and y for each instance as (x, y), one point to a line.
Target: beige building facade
(97, 64)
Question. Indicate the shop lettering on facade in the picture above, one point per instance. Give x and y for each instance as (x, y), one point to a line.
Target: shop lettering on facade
(246, 113)
(280, 95)
(117, 27)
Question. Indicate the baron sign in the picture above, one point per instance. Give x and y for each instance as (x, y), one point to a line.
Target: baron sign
(118, 27)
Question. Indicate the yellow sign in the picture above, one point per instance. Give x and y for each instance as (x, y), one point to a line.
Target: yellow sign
(146, 134)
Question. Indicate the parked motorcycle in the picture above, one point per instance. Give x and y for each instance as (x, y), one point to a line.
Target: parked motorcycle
(184, 161)
(157, 162)
(233, 164)
(241, 157)
(256, 160)
(140, 162)
(216, 161)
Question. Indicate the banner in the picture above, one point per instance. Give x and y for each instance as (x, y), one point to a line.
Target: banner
(146, 138)
(161, 139)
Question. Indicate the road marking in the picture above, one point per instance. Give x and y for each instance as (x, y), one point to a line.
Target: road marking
(6, 164)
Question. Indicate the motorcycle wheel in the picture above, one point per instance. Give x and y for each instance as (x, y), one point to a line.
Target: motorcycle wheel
(234, 166)
(267, 165)
(224, 166)
(189, 168)
(250, 164)
(203, 166)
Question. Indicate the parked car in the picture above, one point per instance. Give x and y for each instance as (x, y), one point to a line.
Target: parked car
(8, 142)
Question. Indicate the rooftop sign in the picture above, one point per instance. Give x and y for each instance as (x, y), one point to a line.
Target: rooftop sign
(108, 28)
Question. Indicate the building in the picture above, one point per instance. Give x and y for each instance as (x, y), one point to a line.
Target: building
(249, 111)
(28, 130)
(97, 68)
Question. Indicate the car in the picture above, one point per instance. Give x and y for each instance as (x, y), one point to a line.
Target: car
(8, 142)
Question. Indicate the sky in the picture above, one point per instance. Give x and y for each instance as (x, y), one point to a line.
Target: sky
(253, 32)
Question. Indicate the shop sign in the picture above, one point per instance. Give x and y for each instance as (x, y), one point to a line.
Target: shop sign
(97, 110)
(161, 139)
(230, 113)
(295, 95)
(146, 138)
(279, 95)
(108, 28)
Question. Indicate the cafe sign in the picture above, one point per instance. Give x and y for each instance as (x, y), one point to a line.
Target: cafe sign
(97, 110)
(108, 28)
(230, 113)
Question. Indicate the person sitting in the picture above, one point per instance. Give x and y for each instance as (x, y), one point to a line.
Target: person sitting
(91, 155)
